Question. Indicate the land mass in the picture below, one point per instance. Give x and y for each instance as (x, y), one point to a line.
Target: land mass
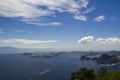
(105, 59)
(102, 58)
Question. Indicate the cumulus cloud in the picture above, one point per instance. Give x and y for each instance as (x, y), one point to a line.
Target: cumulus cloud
(86, 39)
(110, 40)
(100, 18)
(34, 9)
(26, 41)
(101, 44)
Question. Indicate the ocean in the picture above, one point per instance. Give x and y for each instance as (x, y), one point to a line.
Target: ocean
(21, 67)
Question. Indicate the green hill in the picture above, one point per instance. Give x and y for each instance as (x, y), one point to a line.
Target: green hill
(88, 74)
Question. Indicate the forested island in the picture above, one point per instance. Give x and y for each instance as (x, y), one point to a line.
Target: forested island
(106, 59)
(41, 55)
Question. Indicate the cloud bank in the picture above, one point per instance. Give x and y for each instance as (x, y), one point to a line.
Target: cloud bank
(110, 40)
(90, 43)
(26, 41)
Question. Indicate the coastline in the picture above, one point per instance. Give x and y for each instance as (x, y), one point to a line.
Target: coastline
(113, 64)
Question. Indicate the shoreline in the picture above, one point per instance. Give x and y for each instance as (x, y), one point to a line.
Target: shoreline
(113, 64)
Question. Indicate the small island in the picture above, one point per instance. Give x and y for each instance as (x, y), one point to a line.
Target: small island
(103, 59)
(41, 54)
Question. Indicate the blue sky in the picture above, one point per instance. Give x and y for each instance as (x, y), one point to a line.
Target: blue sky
(60, 24)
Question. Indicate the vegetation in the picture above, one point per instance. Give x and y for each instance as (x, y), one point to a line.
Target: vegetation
(88, 74)
(107, 59)
(104, 59)
(84, 57)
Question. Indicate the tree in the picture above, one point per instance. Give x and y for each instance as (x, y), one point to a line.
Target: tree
(88, 74)
(102, 74)
(115, 75)
(83, 74)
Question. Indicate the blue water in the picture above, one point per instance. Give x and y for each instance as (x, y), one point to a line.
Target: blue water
(19, 67)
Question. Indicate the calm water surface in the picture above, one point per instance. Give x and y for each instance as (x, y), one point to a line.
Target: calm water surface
(19, 67)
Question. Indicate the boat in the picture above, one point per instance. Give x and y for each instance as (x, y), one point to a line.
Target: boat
(44, 72)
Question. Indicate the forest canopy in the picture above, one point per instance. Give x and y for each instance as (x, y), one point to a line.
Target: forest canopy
(89, 74)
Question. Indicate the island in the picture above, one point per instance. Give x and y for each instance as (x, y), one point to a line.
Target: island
(41, 54)
(107, 60)
(104, 59)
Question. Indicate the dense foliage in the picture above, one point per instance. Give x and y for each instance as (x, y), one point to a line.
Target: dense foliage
(88, 74)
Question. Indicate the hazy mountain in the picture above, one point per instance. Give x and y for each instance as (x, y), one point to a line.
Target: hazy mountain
(10, 50)
(14, 50)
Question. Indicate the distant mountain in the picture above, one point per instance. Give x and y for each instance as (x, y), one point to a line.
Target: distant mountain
(14, 50)
(10, 50)
(114, 52)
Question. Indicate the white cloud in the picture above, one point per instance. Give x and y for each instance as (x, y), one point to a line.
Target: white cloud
(110, 40)
(34, 9)
(88, 10)
(21, 8)
(45, 24)
(26, 41)
(80, 17)
(86, 39)
(100, 18)
(99, 44)
(100, 40)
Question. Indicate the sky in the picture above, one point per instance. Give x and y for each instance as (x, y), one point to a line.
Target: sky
(85, 25)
